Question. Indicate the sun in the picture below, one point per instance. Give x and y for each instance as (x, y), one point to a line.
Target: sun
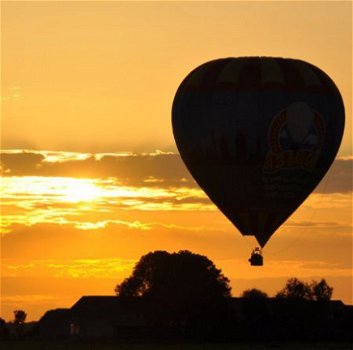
(80, 190)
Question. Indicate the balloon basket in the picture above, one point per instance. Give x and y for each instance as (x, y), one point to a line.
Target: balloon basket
(256, 258)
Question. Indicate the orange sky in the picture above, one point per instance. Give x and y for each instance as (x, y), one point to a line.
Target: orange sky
(86, 92)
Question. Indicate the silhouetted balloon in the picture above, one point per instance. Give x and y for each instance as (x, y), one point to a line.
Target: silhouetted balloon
(258, 134)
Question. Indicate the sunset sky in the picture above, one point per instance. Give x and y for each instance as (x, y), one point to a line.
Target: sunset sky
(92, 179)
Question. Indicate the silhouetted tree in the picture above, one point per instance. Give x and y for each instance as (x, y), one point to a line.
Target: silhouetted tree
(321, 290)
(295, 289)
(3, 329)
(254, 293)
(178, 274)
(19, 320)
(183, 288)
(20, 316)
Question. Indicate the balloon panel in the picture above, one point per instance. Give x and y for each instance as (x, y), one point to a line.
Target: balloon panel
(257, 134)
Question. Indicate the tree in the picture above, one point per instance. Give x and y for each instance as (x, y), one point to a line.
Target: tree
(182, 288)
(20, 317)
(321, 290)
(254, 293)
(174, 275)
(3, 329)
(295, 289)
(19, 321)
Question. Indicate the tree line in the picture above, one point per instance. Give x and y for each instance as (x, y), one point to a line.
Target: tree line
(188, 294)
(187, 291)
(168, 275)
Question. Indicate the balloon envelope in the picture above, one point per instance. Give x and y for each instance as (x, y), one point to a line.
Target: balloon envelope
(257, 134)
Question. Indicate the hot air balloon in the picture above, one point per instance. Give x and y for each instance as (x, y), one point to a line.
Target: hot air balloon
(257, 134)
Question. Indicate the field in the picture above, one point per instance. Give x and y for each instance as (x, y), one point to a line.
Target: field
(63, 345)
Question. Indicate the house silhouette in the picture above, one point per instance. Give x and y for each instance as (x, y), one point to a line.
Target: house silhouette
(132, 318)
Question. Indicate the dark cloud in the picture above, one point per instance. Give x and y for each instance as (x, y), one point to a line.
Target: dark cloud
(24, 163)
(160, 169)
(147, 170)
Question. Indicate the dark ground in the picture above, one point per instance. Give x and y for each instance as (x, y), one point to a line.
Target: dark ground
(71, 345)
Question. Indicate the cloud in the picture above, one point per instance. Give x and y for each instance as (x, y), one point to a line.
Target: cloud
(20, 162)
(132, 169)
(70, 268)
(320, 225)
(131, 239)
(28, 299)
(317, 201)
(323, 265)
(36, 199)
(152, 169)
(12, 93)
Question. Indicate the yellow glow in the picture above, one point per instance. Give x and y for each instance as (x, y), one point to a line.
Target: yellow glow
(80, 191)
(86, 203)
